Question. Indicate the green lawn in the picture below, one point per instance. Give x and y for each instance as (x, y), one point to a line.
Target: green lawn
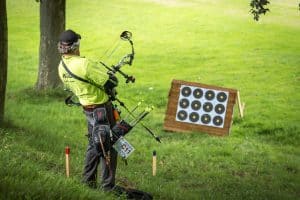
(207, 41)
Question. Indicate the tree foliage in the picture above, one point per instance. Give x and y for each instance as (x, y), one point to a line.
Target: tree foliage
(258, 7)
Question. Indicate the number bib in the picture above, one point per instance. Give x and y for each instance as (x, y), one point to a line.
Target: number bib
(123, 147)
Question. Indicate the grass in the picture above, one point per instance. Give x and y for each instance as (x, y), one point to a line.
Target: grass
(212, 42)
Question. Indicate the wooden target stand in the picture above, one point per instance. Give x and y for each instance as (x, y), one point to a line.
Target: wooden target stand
(200, 107)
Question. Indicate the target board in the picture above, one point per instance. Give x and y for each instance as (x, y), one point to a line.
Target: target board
(199, 107)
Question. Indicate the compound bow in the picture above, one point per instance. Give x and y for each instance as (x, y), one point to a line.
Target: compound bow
(127, 60)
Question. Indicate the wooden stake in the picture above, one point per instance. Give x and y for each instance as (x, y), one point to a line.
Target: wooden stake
(240, 105)
(67, 161)
(154, 163)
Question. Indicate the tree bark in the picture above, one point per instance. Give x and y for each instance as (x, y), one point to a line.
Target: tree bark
(3, 57)
(52, 24)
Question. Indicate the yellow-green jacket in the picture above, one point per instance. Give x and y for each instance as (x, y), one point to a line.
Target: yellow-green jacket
(88, 94)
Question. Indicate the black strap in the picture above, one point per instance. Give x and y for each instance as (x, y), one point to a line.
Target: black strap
(68, 100)
(74, 75)
(78, 77)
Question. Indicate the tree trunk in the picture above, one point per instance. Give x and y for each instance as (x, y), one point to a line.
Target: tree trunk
(52, 24)
(3, 57)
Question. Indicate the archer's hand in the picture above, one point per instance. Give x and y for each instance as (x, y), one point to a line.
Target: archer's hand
(110, 86)
(112, 81)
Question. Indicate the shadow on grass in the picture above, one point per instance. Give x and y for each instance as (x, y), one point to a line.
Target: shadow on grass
(271, 131)
(41, 148)
(238, 120)
(280, 134)
(38, 139)
(8, 124)
(33, 95)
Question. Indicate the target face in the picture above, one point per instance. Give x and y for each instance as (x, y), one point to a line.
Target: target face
(212, 112)
(196, 106)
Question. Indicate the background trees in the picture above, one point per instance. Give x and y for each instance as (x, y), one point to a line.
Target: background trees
(258, 7)
(201, 42)
(52, 23)
(3, 56)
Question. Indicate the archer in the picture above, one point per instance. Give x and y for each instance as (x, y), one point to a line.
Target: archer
(90, 84)
(95, 89)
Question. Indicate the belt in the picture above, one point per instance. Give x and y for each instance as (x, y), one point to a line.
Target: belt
(94, 106)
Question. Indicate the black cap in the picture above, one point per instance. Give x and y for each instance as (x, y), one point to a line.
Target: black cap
(69, 37)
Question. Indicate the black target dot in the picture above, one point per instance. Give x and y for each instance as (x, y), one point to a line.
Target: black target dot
(218, 121)
(194, 117)
(219, 108)
(198, 93)
(182, 115)
(184, 103)
(186, 91)
(205, 119)
(207, 106)
(221, 96)
(210, 95)
(196, 105)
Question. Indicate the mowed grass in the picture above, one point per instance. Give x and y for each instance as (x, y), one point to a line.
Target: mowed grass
(212, 42)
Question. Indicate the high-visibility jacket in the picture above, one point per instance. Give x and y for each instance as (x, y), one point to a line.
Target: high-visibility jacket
(87, 93)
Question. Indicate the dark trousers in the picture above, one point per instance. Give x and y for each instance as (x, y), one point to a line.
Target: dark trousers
(94, 156)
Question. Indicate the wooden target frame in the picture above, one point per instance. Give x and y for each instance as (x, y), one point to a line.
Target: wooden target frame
(173, 121)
